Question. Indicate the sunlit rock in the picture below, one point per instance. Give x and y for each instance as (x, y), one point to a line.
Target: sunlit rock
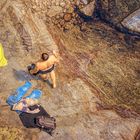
(84, 1)
(54, 10)
(132, 22)
(89, 9)
(97, 75)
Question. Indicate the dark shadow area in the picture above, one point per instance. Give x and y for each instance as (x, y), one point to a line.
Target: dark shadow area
(102, 14)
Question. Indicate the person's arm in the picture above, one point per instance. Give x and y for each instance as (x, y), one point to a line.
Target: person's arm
(25, 109)
(35, 70)
(56, 55)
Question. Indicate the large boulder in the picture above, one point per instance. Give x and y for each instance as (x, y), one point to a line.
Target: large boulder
(115, 11)
(132, 22)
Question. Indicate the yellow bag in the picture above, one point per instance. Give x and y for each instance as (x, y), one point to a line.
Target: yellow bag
(3, 61)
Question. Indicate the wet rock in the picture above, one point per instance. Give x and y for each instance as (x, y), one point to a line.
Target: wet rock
(68, 26)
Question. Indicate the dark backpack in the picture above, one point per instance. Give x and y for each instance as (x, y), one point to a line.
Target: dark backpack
(47, 124)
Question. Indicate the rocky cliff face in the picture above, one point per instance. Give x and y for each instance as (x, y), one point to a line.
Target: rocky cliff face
(97, 76)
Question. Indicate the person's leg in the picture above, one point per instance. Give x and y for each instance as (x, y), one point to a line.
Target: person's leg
(44, 76)
(52, 74)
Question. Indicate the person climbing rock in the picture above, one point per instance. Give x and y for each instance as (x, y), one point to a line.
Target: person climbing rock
(45, 66)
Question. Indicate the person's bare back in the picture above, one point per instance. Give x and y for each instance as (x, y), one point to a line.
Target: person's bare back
(45, 66)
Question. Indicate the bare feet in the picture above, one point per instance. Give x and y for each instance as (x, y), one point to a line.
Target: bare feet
(54, 86)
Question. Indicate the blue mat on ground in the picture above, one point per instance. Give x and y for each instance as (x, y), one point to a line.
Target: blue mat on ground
(19, 93)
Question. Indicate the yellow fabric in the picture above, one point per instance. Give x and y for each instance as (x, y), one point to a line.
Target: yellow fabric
(3, 61)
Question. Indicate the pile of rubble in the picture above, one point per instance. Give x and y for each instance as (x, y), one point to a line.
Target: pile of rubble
(61, 13)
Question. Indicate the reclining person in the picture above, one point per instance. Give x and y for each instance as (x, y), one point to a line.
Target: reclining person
(30, 114)
(45, 66)
(23, 105)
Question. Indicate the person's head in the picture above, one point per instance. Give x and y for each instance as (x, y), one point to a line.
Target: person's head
(44, 56)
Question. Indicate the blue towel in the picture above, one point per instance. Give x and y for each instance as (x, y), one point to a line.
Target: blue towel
(19, 93)
(35, 94)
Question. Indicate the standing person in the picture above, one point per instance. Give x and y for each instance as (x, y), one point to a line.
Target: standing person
(45, 66)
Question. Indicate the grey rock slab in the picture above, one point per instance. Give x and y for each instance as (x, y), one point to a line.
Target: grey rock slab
(132, 22)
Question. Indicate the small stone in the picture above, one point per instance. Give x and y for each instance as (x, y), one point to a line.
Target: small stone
(34, 7)
(55, 10)
(67, 17)
(57, 3)
(78, 2)
(64, 10)
(70, 10)
(83, 27)
(62, 22)
(75, 22)
(55, 22)
(84, 1)
(62, 4)
(53, 2)
(58, 25)
(67, 6)
(57, 17)
(49, 7)
(75, 1)
(68, 26)
(61, 14)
